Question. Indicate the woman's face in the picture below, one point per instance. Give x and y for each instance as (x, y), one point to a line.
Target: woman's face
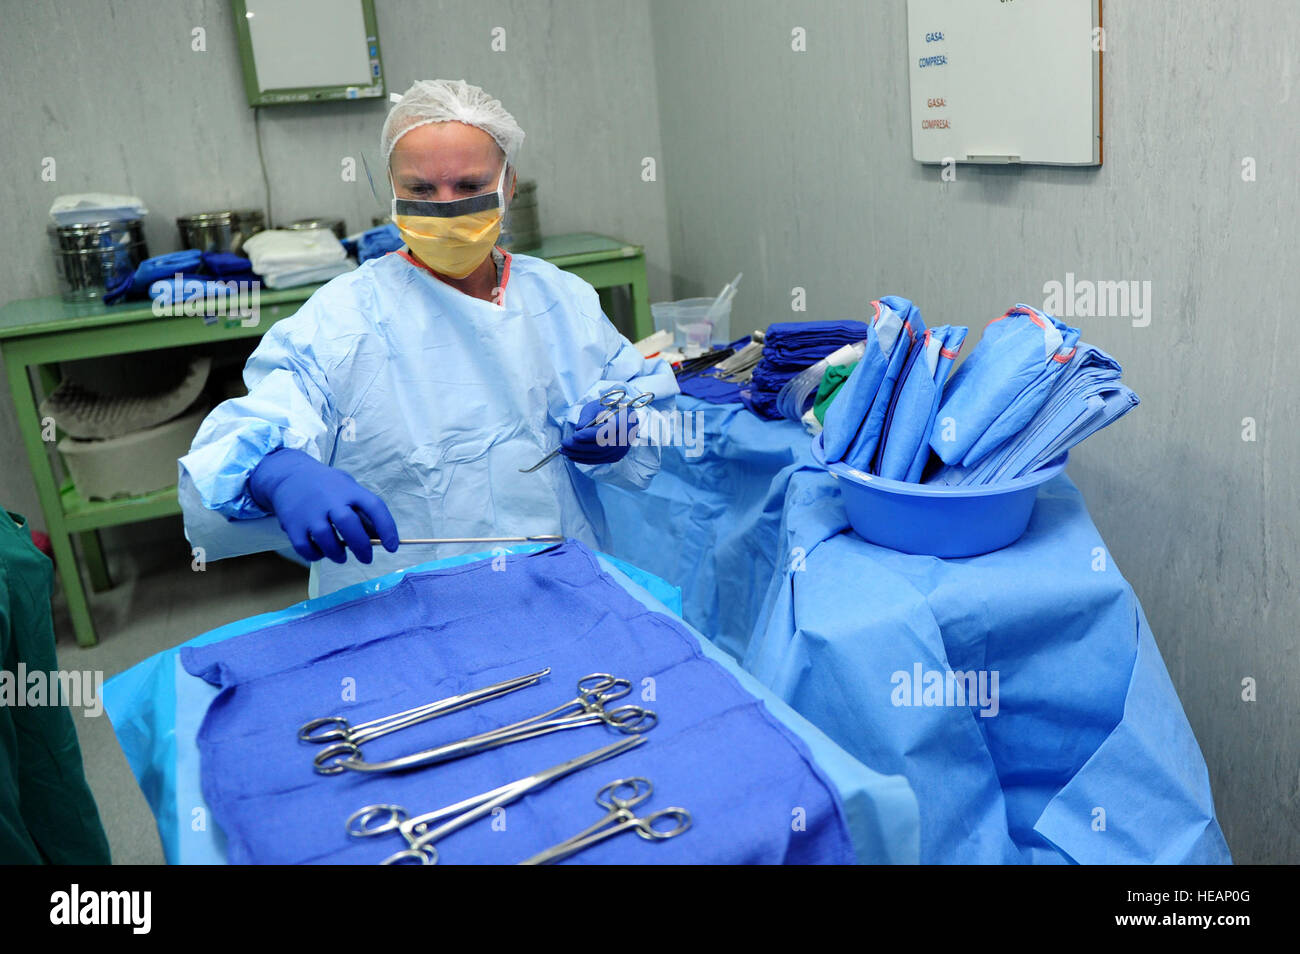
(445, 161)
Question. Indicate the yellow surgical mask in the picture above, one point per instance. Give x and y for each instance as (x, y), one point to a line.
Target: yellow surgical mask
(453, 238)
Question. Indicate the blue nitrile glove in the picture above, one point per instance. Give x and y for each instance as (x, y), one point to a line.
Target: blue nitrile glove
(313, 501)
(581, 442)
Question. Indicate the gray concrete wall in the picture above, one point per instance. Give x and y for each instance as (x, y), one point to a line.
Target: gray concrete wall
(797, 168)
(114, 92)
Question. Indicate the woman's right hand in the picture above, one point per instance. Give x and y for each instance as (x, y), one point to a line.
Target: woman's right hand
(317, 505)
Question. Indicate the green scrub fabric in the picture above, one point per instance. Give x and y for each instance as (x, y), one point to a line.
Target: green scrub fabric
(832, 381)
(47, 812)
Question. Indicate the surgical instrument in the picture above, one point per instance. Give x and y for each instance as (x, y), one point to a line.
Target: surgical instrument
(433, 541)
(349, 738)
(693, 366)
(419, 831)
(740, 366)
(588, 708)
(618, 798)
(613, 400)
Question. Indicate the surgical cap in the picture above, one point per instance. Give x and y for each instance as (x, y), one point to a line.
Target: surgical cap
(440, 101)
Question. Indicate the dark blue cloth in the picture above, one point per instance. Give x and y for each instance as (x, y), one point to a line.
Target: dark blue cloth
(193, 266)
(378, 241)
(228, 266)
(751, 785)
(155, 269)
(790, 347)
(709, 387)
(807, 342)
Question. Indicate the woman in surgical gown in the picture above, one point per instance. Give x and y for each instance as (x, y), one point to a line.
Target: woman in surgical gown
(429, 390)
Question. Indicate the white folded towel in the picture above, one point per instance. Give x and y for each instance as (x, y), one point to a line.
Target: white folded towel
(278, 249)
(289, 277)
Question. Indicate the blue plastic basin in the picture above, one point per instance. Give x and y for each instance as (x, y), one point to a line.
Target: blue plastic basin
(934, 520)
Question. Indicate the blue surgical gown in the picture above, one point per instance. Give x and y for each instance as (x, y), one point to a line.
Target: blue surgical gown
(431, 399)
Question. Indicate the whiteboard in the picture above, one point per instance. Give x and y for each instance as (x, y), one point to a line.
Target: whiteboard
(304, 43)
(1005, 80)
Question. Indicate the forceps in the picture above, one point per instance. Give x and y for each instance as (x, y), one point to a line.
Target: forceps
(619, 797)
(588, 708)
(348, 738)
(613, 400)
(436, 541)
(419, 831)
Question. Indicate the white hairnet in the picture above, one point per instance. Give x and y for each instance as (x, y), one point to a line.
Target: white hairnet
(440, 101)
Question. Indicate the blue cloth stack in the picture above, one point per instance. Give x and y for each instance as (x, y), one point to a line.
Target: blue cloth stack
(865, 426)
(789, 348)
(180, 276)
(1030, 391)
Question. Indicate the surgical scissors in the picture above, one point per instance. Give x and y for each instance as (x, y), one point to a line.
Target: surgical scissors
(348, 738)
(613, 400)
(588, 708)
(618, 798)
(419, 831)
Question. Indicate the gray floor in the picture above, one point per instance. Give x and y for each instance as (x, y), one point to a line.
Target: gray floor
(157, 601)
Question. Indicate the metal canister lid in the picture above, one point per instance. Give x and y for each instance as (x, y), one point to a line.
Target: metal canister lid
(333, 225)
(220, 217)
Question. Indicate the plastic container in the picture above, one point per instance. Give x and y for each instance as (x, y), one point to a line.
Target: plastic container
(688, 320)
(103, 213)
(947, 522)
(93, 414)
(137, 463)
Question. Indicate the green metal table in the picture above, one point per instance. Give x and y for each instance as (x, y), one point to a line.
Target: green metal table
(36, 334)
(604, 263)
